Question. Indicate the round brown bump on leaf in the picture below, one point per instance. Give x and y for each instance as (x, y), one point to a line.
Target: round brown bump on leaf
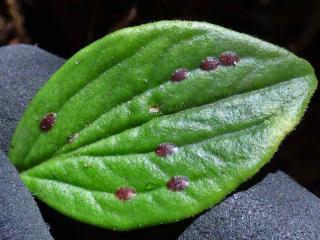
(178, 183)
(179, 74)
(166, 149)
(125, 193)
(209, 63)
(48, 121)
(229, 58)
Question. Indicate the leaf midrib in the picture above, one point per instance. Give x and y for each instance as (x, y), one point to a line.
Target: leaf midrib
(164, 115)
(140, 123)
(220, 99)
(249, 126)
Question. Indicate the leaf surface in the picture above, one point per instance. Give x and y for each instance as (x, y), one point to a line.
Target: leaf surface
(103, 156)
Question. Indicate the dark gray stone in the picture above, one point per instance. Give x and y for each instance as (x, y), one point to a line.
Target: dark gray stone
(20, 218)
(23, 70)
(276, 208)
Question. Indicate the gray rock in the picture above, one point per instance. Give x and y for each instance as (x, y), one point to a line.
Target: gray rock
(276, 208)
(23, 70)
(20, 218)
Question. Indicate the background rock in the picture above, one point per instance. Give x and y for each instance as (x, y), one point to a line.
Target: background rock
(20, 218)
(23, 70)
(275, 209)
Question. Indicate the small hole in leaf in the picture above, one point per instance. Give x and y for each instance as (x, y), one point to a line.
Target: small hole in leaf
(229, 58)
(209, 63)
(125, 193)
(166, 149)
(178, 183)
(180, 74)
(48, 121)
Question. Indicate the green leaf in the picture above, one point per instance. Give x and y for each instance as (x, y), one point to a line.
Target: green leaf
(127, 145)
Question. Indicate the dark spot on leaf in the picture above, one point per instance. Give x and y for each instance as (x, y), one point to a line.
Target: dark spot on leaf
(125, 193)
(229, 58)
(178, 183)
(179, 74)
(166, 149)
(209, 63)
(48, 121)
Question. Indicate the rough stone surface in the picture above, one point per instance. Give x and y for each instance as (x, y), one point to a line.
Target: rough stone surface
(20, 218)
(276, 208)
(23, 70)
